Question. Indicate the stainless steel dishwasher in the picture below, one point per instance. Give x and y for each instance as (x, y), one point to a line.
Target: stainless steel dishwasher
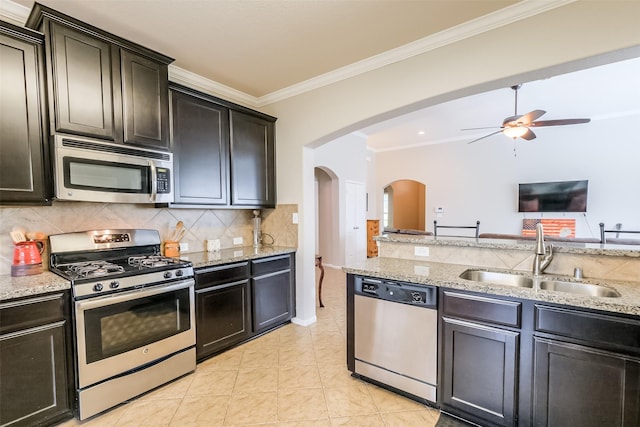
(396, 335)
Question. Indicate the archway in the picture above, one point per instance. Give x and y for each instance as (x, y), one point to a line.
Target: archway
(404, 204)
(327, 214)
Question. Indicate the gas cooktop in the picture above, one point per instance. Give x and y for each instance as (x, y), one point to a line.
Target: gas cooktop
(106, 261)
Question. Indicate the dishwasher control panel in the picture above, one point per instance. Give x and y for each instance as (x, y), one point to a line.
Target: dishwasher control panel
(407, 293)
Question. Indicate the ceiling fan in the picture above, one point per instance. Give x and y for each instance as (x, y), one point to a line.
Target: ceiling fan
(519, 126)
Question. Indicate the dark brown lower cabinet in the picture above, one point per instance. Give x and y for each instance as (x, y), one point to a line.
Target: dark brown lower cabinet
(236, 302)
(223, 317)
(272, 290)
(584, 386)
(480, 372)
(271, 300)
(35, 372)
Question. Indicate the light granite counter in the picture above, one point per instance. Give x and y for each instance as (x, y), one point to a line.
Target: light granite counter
(226, 256)
(43, 283)
(447, 275)
(632, 251)
(17, 287)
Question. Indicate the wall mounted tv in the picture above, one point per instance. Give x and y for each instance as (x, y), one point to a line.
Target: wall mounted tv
(563, 196)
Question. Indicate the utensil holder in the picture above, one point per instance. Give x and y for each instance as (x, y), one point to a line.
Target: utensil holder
(172, 248)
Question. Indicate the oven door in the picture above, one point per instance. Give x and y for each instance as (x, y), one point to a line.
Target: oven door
(101, 172)
(121, 332)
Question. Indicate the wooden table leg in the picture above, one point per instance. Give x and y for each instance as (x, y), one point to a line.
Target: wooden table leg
(319, 265)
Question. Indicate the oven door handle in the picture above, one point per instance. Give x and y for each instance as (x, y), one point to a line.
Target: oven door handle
(154, 181)
(132, 295)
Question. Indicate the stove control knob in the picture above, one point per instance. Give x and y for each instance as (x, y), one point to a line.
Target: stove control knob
(179, 273)
(114, 284)
(97, 287)
(167, 275)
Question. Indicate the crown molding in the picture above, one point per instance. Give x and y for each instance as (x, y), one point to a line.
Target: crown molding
(196, 81)
(516, 12)
(14, 12)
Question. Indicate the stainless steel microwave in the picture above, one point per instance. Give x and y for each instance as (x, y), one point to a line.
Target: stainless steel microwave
(96, 171)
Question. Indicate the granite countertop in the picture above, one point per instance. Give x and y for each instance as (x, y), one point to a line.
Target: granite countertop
(447, 275)
(226, 256)
(17, 287)
(43, 283)
(632, 251)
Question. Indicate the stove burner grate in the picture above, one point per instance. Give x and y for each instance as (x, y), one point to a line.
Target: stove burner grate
(94, 268)
(150, 261)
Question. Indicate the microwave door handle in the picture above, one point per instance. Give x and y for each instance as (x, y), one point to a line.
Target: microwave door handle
(154, 181)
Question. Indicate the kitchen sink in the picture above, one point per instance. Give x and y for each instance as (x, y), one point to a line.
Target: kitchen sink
(579, 288)
(521, 281)
(497, 278)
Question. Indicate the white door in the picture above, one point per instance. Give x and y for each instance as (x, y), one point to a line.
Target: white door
(355, 223)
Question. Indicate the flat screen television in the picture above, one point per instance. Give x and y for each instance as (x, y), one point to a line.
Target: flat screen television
(562, 196)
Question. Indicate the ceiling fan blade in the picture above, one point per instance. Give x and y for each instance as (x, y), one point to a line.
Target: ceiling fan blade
(486, 136)
(560, 122)
(486, 127)
(511, 120)
(531, 116)
(529, 135)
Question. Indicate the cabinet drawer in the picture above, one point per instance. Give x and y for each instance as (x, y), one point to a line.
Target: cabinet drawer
(599, 329)
(269, 265)
(221, 274)
(482, 309)
(28, 313)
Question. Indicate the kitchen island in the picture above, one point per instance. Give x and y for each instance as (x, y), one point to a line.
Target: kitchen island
(511, 355)
(448, 275)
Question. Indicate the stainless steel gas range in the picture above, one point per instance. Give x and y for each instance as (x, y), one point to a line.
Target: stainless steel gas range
(134, 320)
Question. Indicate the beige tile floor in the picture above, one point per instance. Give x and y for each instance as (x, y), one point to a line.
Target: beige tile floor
(292, 376)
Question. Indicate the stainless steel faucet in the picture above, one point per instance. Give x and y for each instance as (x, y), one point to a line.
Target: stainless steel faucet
(543, 255)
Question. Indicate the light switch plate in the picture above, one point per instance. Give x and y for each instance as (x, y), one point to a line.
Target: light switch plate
(184, 247)
(237, 240)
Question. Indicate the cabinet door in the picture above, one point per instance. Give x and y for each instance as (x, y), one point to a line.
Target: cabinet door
(252, 161)
(200, 144)
(582, 386)
(222, 317)
(83, 83)
(479, 372)
(145, 101)
(24, 156)
(272, 300)
(33, 389)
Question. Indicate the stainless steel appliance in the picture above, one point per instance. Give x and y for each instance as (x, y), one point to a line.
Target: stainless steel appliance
(134, 319)
(91, 171)
(396, 335)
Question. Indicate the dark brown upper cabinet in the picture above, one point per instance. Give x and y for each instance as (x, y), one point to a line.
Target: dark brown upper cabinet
(224, 154)
(200, 145)
(24, 153)
(252, 160)
(101, 85)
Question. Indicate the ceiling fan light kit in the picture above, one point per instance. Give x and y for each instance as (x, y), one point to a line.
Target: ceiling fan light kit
(518, 126)
(515, 131)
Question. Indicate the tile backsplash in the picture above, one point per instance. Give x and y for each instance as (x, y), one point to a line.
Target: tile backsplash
(200, 224)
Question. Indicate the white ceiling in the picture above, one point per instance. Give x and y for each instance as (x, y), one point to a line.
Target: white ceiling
(611, 90)
(266, 50)
(262, 46)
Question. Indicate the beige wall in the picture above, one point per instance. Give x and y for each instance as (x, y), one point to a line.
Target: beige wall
(547, 44)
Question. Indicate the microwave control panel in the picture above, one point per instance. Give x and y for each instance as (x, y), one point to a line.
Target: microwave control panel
(163, 178)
